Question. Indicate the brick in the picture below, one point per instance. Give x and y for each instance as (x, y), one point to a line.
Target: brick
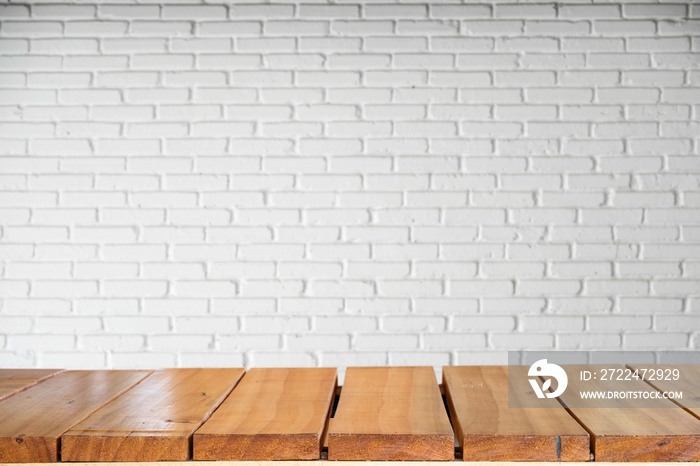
(527, 44)
(411, 27)
(459, 44)
(426, 129)
(671, 27)
(648, 305)
(351, 27)
(35, 306)
(525, 78)
(595, 251)
(531, 341)
(654, 11)
(649, 269)
(63, 46)
(578, 341)
(261, 288)
(524, 11)
(14, 11)
(201, 289)
(619, 60)
(674, 323)
(133, 252)
(316, 342)
(31, 29)
(35, 234)
(491, 27)
(96, 28)
(452, 342)
(589, 11)
(160, 28)
(327, 79)
(524, 269)
(618, 28)
(395, 11)
(329, 11)
(194, 12)
(423, 61)
(102, 62)
(15, 46)
(64, 11)
(378, 44)
(457, 112)
(64, 288)
(30, 97)
(680, 44)
(560, 199)
(457, 11)
(385, 342)
(129, 11)
(188, 78)
(144, 360)
(161, 61)
(62, 325)
(180, 342)
(664, 340)
(217, 61)
(554, 95)
(41, 342)
(83, 96)
(289, 60)
(560, 60)
(593, 45)
(13, 80)
(616, 324)
(297, 27)
(353, 95)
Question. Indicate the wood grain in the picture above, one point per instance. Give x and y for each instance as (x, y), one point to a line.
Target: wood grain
(153, 421)
(384, 463)
(622, 432)
(31, 422)
(688, 383)
(390, 413)
(13, 381)
(273, 414)
(489, 430)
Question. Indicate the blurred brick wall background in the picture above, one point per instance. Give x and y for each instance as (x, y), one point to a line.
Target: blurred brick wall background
(346, 184)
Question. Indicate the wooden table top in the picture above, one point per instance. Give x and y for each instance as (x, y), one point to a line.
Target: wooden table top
(383, 414)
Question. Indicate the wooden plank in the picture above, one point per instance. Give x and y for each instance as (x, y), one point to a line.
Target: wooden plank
(389, 414)
(153, 421)
(273, 414)
(13, 381)
(489, 430)
(384, 463)
(621, 430)
(688, 383)
(31, 422)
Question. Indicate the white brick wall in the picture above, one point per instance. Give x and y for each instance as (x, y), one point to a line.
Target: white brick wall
(341, 184)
